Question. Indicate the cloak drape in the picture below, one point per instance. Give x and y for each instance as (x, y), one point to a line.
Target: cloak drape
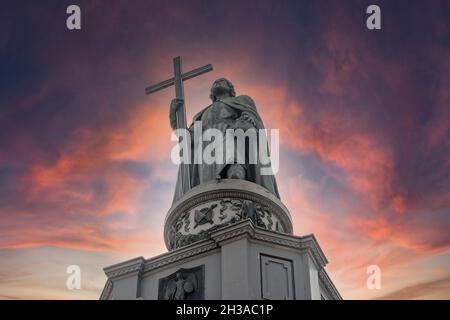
(241, 104)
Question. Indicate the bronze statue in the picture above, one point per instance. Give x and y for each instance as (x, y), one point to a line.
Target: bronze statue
(227, 111)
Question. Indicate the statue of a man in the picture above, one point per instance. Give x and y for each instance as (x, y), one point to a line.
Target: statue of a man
(227, 111)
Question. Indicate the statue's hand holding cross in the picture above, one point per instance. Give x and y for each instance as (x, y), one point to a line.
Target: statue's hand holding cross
(175, 105)
(177, 112)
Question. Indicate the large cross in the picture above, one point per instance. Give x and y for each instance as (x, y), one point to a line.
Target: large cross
(177, 80)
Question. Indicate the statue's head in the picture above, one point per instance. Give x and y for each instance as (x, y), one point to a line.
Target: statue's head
(222, 88)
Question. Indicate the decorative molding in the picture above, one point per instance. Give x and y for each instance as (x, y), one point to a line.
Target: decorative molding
(189, 203)
(127, 267)
(329, 286)
(244, 227)
(107, 290)
(227, 189)
(215, 240)
(178, 255)
(310, 242)
(125, 271)
(306, 243)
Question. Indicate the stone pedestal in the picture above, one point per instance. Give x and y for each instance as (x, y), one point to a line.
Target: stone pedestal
(227, 240)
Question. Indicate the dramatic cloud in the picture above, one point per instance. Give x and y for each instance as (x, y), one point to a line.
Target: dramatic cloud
(421, 290)
(85, 171)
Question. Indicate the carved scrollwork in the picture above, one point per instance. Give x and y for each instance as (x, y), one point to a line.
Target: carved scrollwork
(229, 212)
(185, 218)
(234, 205)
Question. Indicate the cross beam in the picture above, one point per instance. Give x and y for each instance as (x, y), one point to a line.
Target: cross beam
(185, 76)
(177, 81)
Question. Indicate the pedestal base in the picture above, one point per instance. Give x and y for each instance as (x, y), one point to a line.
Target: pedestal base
(239, 261)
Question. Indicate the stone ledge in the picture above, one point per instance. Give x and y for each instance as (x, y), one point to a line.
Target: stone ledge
(217, 238)
(125, 268)
(143, 267)
(107, 290)
(330, 288)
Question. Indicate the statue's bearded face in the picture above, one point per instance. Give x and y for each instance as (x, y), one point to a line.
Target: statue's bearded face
(220, 88)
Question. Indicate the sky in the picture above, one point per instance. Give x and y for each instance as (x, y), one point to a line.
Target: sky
(85, 172)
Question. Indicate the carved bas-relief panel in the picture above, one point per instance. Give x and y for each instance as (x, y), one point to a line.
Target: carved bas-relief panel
(195, 224)
(218, 204)
(277, 281)
(184, 284)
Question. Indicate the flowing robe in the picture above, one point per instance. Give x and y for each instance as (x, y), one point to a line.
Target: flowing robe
(222, 115)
